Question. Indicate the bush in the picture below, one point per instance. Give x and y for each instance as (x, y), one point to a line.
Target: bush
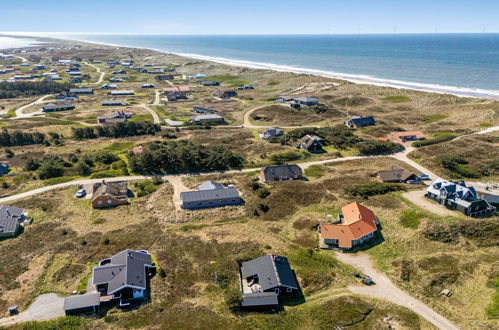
(366, 190)
(285, 157)
(439, 138)
(315, 171)
(145, 187)
(183, 157)
(51, 167)
(119, 130)
(375, 147)
(410, 218)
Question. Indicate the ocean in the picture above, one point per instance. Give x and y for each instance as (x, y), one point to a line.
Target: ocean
(463, 64)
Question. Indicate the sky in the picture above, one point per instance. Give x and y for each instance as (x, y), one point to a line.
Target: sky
(250, 17)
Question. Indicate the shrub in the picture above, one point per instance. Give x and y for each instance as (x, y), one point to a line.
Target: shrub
(285, 157)
(439, 138)
(315, 171)
(410, 218)
(145, 187)
(366, 190)
(375, 147)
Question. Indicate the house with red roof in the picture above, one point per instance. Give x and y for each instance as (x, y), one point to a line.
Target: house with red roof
(355, 226)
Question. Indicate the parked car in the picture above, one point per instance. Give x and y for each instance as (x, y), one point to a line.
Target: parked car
(424, 177)
(412, 181)
(367, 280)
(81, 193)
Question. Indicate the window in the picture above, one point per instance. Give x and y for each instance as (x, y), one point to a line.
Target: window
(288, 290)
(277, 290)
(99, 202)
(109, 201)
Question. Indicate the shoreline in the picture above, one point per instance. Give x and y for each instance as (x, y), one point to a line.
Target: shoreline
(353, 78)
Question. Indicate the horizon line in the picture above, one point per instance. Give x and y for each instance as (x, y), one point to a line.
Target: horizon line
(235, 34)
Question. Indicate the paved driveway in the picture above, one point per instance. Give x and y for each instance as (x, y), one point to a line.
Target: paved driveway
(45, 307)
(418, 198)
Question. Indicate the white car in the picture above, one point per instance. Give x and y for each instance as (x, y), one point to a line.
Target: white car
(80, 193)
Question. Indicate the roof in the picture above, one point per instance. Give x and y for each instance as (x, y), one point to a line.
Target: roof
(210, 185)
(282, 171)
(82, 301)
(456, 191)
(272, 271)
(399, 135)
(306, 99)
(126, 268)
(122, 91)
(260, 299)
(81, 90)
(116, 189)
(207, 117)
(491, 198)
(10, 218)
(309, 140)
(362, 121)
(395, 173)
(207, 195)
(358, 221)
(52, 106)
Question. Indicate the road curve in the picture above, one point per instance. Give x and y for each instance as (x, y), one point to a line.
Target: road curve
(152, 112)
(19, 111)
(385, 289)
(102, 74)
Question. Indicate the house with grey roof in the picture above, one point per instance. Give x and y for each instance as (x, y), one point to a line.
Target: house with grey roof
(271, 132)
(274, 173)
(395, 174)
(358, 122)
(312, 143)
(120, 280)
(11, 220)
(457, 196)
(51, 107)
(114, 118)
(85, 303)
(81, 90)
(307, 101)
(265, 279)
(112, 102)
(208, 119)
(210, 194)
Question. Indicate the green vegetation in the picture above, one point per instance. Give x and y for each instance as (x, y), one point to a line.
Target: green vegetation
(373, 188)
(273, 83)
(493, 309)
(146, 187)
(410, 218)
(458, 166)
(18, 138)
(396, 99)
(438, 138)
(339, 136)
(53, 181)
(29, 88)
(230, 80)
(375, 147)
(434, 118)
(118, 130)
(66, 322)
(315, 171)
(285, 157)
(183, 157)
(485, 125)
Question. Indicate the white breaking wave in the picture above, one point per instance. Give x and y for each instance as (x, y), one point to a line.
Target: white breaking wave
(358, 79)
